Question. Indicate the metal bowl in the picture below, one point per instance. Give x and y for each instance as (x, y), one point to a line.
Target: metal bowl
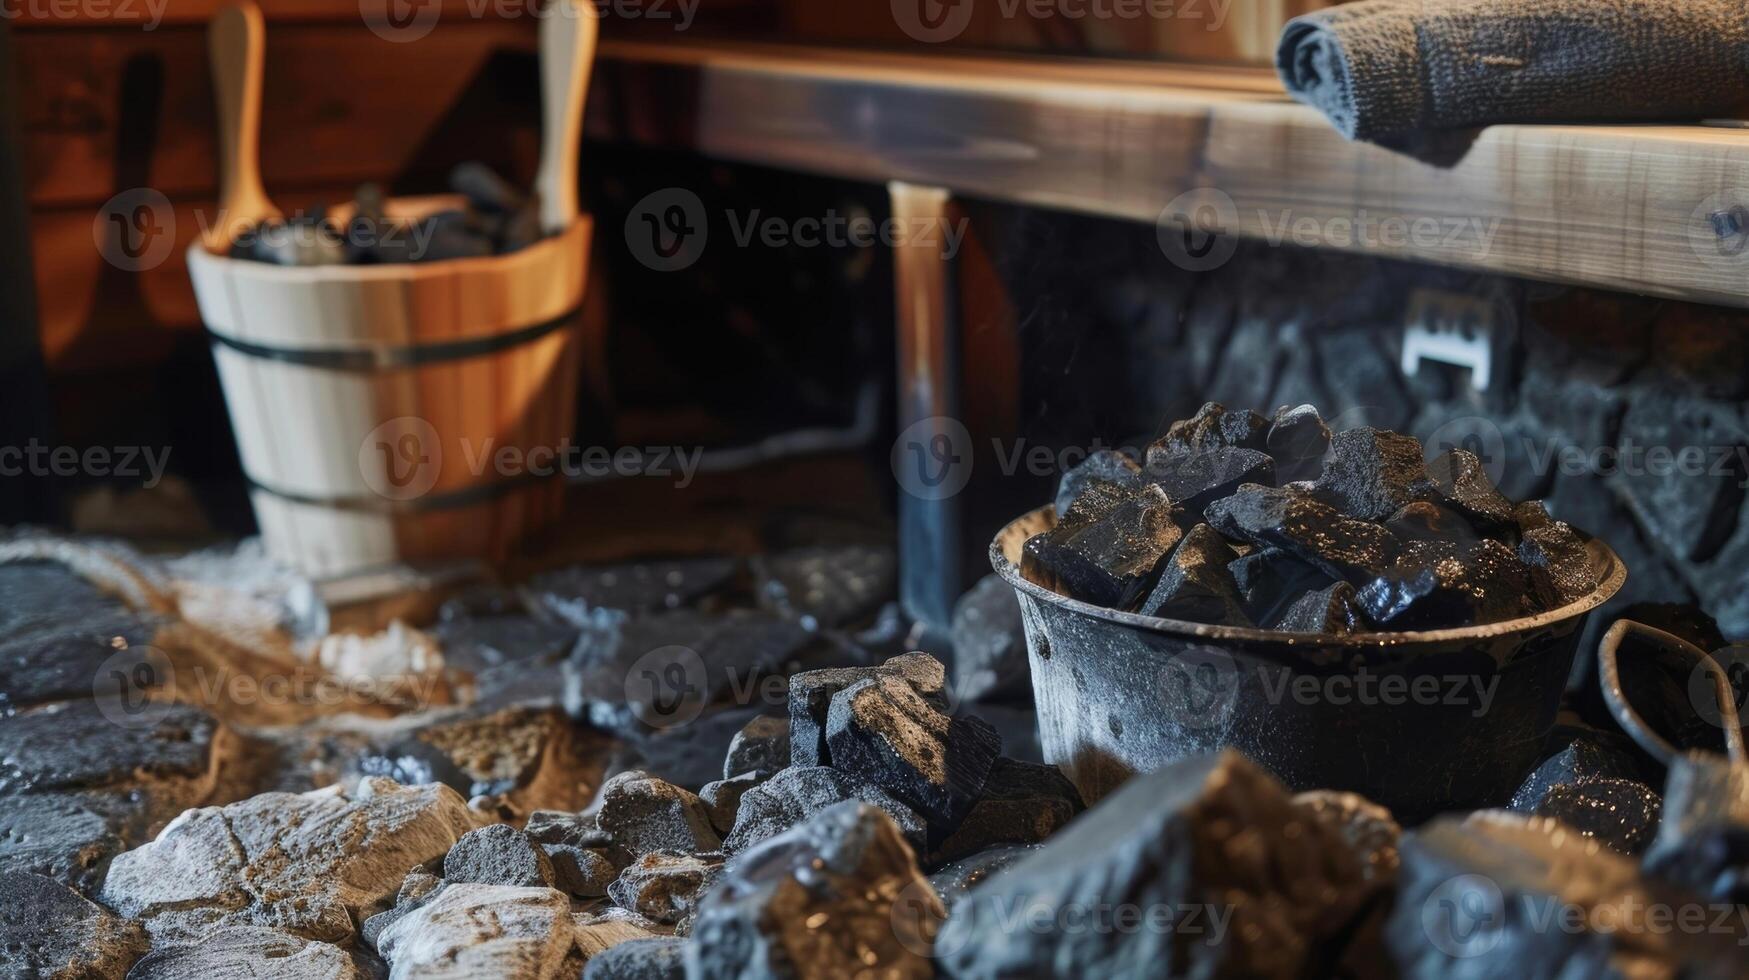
(1420, 722)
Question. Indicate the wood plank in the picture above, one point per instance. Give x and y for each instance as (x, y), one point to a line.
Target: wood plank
(44, 15)
(1619, 207)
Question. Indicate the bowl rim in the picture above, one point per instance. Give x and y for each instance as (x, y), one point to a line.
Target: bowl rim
(1608, 584)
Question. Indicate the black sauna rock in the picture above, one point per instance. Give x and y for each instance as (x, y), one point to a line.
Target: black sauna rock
(1213, 427)
(1308, 529)
(1584, 754)
(1465, 485)
(1192, 481)
(1559, 563)
(1022, 803)
(811, 693)
(1197, 585)
(1270, 580)
(955, 880)
(64, 836)
(643, 814)
(1486, 583)
(1368, 829)
(1298, 440)
(1621, 813)
(838, 896)
(51, 933)
(571, 829)
(882, 730)
(1110, 560)
(1428, 521)
(582, 872)
(647, 586)
(74, 746)
(1104, 466)
(829, 586)
(498, 855)
(1207, 832)
(1474, 896)
(664, 887)
(797, 793)
(1712, 862)
(415, 762)
(1530, 515)
(723, 797)
(1371, 474)
(989, 645)
(1703, 840)
(66, 664)
(662, 958)
(762, 745)
(1689, 506)
(1334, 610)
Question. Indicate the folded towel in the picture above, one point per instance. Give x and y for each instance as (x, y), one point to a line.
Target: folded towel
(1383, 70)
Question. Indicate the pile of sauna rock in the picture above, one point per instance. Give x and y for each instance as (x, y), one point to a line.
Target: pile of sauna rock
(715, 768)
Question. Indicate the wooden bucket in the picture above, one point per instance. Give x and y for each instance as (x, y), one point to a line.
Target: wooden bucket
(387, 413)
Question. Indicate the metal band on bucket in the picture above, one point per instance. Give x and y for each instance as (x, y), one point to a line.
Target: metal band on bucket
(370, 504)
(369, 359)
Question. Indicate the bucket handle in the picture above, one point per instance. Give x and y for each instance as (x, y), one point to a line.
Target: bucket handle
(1609, 675)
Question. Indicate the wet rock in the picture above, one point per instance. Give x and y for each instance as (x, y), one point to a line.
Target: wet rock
(1621, 813)
(1559, 563)
(811, 693)
(664, 887)
(761, 746)
(67, 664)
(498, 855)
(1208, 833)
(249, 953)
(1110, 560)
(57, 836)
(1530, 515)
(795, 794)
(723, 797)
(1194, 480)
(1474, 896)
(1214, 427)
(956, 880)
(1307, 529)
(1196, 584)
(1684, 477)
(1486, 583)
(309, 864)
(172, 749)
(1371, 474)
(1581, 754)
(53, 934)
(1270, 580)
(1022, 803)
(644, 814)
(1104, 466)
(1332, 611)
(1466, 488)
(470, 932)
(47, 599)
(663, 958)
(989, 645)
(838, 896)
(884, 731)
(632, 676)
(638, 587)
(1369, 829)
(828, 586)
(1427, 521)
(1297, 441)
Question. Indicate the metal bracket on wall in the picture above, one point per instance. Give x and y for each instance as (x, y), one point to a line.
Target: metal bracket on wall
(932, 456)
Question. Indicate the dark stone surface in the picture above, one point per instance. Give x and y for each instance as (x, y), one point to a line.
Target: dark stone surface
(1104, 466)
(498, 855)
(1196, 585)
(51, 933)
(644, 814)
(723, 797)
(1193, 480)
(956, 880)
(1270, 580)
(1332, 610)
(849, 867)
(419, 888)
(481, 642)
(1212, 427)
(1361, 373)
(1428, 521)
(811, 693)
(762, 745)
(1371, 474)
(797, 793)
(1207, 832)
(1703, 840)
(1690, 511)
(571, 829)
(1465, 486)
(1484, 583)
(652, 586)
(1308, 529)
(1111, 560)
(74, 745)
(885, 732)
(1620, 813)
(664, 887)
(69, 664)
(1559, 563)
(1022, 803)
(989, 645)
(412, 762)
(1297, 441)
(582, 872)
(828, 586)
(663, 958)
(1578, 754)
(59, 836)
(1368, 829)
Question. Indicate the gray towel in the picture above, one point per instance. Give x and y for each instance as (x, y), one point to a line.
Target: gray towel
(1389, 70)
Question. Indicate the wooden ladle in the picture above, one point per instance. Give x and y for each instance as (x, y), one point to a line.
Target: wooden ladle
(567, 51)
(236, 44)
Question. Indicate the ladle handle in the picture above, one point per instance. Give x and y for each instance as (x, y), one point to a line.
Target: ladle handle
(567, 51)
(1609, 675)
(237, 47)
